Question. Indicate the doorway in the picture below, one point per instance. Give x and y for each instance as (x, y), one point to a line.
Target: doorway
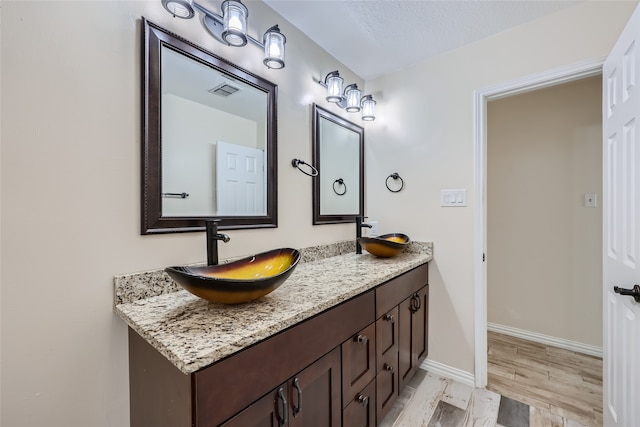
(544, 222)
(528, 84)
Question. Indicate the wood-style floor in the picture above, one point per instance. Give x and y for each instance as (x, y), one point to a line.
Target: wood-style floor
(562, 387)
(530, 385)
(432, 401)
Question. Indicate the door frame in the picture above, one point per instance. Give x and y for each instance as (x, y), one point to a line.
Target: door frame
(481, 96)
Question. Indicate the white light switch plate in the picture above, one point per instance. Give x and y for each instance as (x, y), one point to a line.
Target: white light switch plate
(453, 198)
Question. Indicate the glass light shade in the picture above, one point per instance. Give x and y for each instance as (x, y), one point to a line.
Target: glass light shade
(179, 8)
(353, 95)
(334, 88)
(368, 108)
(234, 29)
(274, 42)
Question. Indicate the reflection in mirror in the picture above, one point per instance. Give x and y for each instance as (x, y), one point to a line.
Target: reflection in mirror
(338, 150)
(209, 140)
(211, 123)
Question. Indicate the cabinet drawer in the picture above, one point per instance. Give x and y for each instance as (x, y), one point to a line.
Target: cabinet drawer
(360, 411)
(358, 362)
(386, 387)
(396, 290)
(386, 337)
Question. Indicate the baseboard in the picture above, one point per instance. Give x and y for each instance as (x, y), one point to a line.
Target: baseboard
(447, 371)
(578, 347)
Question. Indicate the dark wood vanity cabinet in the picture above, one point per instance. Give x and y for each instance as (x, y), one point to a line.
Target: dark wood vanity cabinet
(342, 367)
(402, 334)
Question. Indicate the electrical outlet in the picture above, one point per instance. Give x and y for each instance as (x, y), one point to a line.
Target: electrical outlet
(373, 231)
(591, 200)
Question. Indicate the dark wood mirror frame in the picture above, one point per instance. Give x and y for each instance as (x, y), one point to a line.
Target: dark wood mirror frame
(318, 218)
(154, 37)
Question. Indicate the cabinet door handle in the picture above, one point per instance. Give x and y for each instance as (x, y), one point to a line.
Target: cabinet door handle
(388, 368)
(282, 417)
(389, 318)
(418, 301)
(296, 385)
(412, 304)
(363, 400)
(362, 339)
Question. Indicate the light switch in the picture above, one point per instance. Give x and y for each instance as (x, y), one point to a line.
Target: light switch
(452, 198)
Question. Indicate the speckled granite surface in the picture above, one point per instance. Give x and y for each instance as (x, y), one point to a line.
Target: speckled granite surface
(193, 333)
(135, 286)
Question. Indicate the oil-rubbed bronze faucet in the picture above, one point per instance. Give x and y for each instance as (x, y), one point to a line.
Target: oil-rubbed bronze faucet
(212, 242)
(359, 226)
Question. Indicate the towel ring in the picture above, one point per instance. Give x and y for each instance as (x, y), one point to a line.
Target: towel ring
(341, 182)
(395, 176)
(296, 164)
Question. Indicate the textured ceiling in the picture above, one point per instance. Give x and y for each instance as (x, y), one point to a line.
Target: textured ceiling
(375, 37)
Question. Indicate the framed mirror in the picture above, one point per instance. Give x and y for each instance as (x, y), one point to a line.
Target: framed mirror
(338, 154)
(209, 139)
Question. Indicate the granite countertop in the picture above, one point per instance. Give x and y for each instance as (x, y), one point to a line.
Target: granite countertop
(193, 333)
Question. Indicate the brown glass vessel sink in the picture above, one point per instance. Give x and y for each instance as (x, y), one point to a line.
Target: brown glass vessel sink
(239, 281)
(386, 245)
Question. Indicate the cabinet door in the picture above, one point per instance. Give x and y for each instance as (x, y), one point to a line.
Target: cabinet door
(360, 411)
(420, 327)
(358, 362)
(269, 411)
(405, 362)
(315, 394)
(413, 328)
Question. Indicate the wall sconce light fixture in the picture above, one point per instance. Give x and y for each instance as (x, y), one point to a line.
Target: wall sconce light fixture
(351, 98)
(230, 28)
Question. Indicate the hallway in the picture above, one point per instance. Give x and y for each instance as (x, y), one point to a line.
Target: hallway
(558, 383)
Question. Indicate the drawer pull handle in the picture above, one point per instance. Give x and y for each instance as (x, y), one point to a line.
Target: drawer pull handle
(363, 400)
(362, 339)
(389, 318)
(296, 385)
(282, 417)
(388, 368)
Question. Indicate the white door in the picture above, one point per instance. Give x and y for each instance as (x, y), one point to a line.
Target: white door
(240, 179)
(621, 228)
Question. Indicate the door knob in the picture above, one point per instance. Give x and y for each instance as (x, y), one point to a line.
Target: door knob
(635, 292)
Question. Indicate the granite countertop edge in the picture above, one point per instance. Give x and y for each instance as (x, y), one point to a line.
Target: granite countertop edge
(193, 333)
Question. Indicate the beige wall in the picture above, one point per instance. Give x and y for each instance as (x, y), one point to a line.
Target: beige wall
(545, 247)
(424, 131)
(70, 194)
(70, 181)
